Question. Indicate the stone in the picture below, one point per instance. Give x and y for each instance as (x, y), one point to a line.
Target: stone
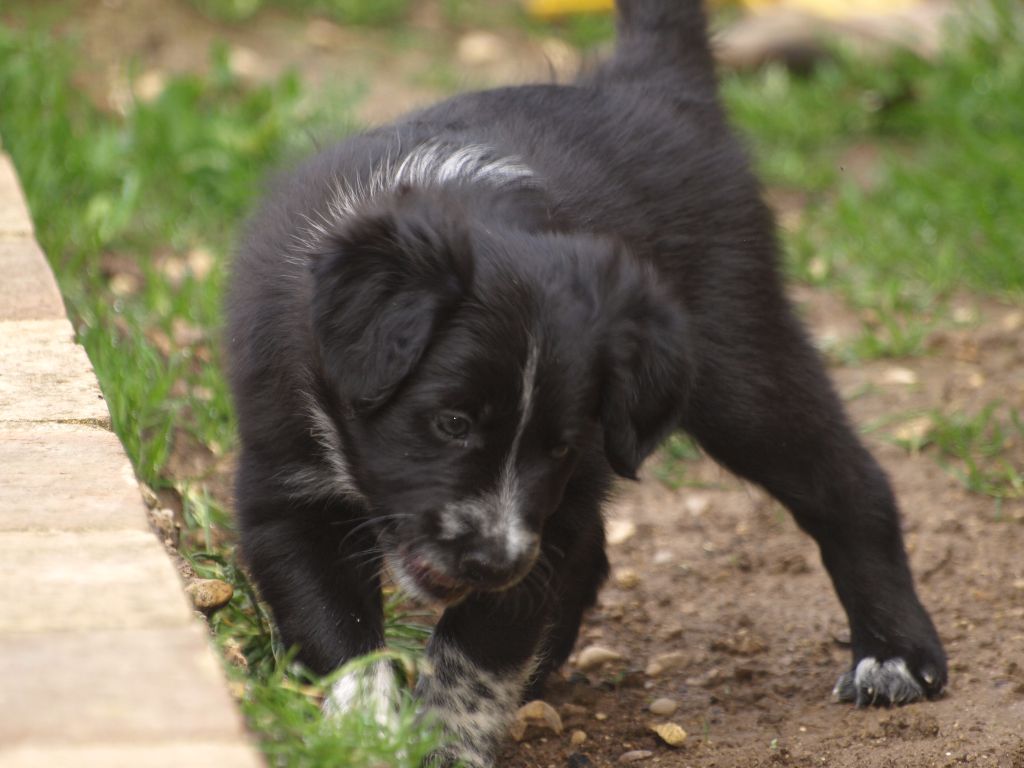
(577, 738)
(635, 756)
(627, 578)
(92, 580)
(914, 431)
(246, 64)
(536, 713)
(66, 477)
(670, 733)
(46, 376)
(149, 85)
(209, 595)
(664, 707)
(620, 530)
(900, 376)
(28, 290)
(594, 656)
(665, 662)
(480, 48)
(697, 504)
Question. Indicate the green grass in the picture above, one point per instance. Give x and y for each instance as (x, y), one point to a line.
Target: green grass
(369, 12)
(984, 450)
(933, 218)
(673, 464)
(137, 213)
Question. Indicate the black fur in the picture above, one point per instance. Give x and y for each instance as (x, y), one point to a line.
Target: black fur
(637, 262)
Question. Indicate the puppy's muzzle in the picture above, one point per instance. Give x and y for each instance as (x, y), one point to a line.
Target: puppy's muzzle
(494, 563)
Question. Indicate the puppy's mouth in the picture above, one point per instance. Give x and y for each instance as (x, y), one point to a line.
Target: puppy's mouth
(416, 575)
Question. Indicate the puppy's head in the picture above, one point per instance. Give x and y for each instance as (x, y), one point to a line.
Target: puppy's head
(473, 370)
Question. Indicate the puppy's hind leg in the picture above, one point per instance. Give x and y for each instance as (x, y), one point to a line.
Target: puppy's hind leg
(764, 408)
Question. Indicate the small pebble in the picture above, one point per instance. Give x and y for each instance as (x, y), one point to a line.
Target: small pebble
(664, 707)
(537, 713)
(479, 48)
(899, 375)
(670, 733)
(573, 710)
(578, 737)
(594, 656)
(1013, 321)
(149, 497)
(665, 662)
(697, 505)
(627, 578)
(619, 531)
(635, 755)
(209, 594)
(600, 716)
(663, 557)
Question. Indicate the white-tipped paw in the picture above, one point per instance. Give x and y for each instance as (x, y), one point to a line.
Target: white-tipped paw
(368, 688)
(873, 682)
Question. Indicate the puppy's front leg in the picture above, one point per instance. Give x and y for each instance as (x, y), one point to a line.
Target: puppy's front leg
(320, 577)
(478, 662)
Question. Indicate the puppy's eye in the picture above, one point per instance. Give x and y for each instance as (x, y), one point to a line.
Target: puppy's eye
(560, 451)
(453, 425)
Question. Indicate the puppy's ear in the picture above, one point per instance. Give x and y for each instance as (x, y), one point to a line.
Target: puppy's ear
(646, 362)
(382, 287)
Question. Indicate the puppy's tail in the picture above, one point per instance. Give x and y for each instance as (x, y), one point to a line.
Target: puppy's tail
(664, 41)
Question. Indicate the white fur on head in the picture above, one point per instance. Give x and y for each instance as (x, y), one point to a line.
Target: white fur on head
(431, 164)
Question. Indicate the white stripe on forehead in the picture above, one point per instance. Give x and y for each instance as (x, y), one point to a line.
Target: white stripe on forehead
(517, 539)
(431, 164)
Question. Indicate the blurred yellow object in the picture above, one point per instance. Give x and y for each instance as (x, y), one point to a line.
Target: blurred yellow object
(552, 8)
(833, 9)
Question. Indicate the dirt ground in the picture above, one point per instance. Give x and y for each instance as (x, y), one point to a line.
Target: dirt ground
(720, 576)
(714, 572)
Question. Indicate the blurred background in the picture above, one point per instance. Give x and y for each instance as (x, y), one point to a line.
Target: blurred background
(888, 134)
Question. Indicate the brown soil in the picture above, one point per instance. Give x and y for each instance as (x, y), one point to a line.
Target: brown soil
(726, 578)
(716, 570)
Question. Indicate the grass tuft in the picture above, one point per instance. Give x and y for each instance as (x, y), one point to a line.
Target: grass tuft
(911, 166)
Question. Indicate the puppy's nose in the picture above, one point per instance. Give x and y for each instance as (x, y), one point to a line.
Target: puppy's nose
(484, 569)
(494, 567)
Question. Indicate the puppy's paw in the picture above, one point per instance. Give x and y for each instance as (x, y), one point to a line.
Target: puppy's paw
(882, 683)
(447, 757)
(367, 688)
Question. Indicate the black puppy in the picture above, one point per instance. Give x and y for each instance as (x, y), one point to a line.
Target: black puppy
(447, 334)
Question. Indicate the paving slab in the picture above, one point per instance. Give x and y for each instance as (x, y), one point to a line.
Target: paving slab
(46, 376)
(86, 581)
(14, 218)
(28, 290)
(66, 477)
(153, 755)
(121, 686)
(102, 660)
